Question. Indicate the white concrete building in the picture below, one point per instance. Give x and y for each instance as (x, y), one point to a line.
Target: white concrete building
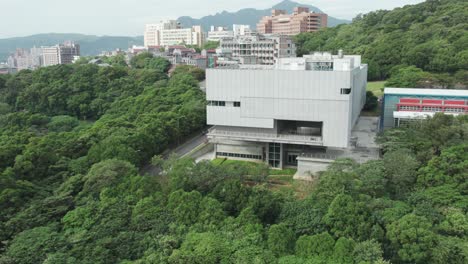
(219, 33)
(241, 30)
(278, 113)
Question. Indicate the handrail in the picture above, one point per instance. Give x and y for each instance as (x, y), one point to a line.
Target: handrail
(214, 131)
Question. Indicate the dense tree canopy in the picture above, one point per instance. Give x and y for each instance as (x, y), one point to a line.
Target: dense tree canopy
(431, 36)
(74, 140)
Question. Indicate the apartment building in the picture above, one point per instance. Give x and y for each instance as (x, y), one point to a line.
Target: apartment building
(25, 59)
(263, 49)
(402, 106)
(60, 54)
(152, 35)
(169, 32)
(279, 113)
(302, 20)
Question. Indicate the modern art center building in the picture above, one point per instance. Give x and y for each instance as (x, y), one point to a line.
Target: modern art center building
(277, 113)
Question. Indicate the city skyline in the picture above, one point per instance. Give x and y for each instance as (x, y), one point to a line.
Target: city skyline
(127, 18)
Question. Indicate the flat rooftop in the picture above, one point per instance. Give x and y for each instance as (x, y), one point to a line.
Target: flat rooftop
(421, 91)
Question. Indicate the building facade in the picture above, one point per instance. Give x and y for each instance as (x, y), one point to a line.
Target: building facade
(152, 35)
(169, 32)
(277, 113)
(263, 49)
(292, 24)
(404, 105)
(60, 54)
(219, 33)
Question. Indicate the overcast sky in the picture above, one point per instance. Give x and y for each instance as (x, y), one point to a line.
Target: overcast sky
(127, 17)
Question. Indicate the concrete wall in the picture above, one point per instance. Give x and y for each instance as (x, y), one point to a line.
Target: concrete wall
(266, 95)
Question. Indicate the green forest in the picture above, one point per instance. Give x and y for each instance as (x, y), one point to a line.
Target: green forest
(422, 45)
(75, 139)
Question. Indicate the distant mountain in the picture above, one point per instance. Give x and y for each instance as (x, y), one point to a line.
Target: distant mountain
(250, 16)
(90, 44)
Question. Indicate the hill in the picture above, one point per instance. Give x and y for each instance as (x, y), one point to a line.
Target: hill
(250, 16)
(90, 44)
(431, 35)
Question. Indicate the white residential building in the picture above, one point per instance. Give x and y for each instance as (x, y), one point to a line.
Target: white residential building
(169, 32)
(152, 36)
(277, 113)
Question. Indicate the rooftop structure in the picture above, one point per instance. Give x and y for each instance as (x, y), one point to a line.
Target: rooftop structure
(276, 113)
(219, 33)
(300, 21)
(404, 105)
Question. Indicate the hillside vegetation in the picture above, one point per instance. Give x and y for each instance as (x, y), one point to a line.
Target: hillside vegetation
(431, 36)
(73, 139)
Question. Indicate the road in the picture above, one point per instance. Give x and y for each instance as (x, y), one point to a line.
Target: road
(183, 149)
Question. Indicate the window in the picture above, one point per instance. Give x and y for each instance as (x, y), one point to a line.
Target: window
(409, 108)
(216, 103)
(238, 155)
(454, 110)
(431, 109)
(345, 90)
(237, 104)
(274, 155)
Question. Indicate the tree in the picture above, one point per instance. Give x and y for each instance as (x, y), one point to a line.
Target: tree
(371, 101)
(368, 251)
(32, 246)
(281, 239)
(343, 250)
(400, 169)
(347, 217)
(317, 245)
(413, 238)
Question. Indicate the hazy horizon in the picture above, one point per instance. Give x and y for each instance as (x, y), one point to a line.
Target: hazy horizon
(128, 17)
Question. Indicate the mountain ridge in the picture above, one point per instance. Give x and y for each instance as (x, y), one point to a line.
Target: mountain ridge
(250, 16)
(89, 44)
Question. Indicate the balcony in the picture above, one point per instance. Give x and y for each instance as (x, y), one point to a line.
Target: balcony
(265, 137)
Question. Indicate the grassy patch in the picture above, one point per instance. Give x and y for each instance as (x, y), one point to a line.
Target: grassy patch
(277, 181)
(290, 172)
(376, 88)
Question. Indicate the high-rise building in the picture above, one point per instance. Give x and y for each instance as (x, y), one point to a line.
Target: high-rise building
(60, 54)
(266, 49)
(169, 32)
(152, 36)
(300, 21)
(280, 114)
(25, 59)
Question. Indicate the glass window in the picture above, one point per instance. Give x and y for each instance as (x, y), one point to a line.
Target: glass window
(237, 104)
(345, 90)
